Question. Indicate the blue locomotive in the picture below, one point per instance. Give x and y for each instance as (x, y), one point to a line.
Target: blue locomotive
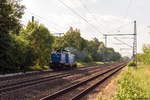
(62, 59)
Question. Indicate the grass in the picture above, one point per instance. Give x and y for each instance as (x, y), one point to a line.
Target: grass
(131, 64)
(38, 68)
(42, 68)
(133, 84)
(79, 64)
(82, 64)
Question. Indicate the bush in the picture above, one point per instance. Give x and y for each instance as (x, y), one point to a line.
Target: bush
(38, 68)
(129, 88)
(132, 64)
(88, 58)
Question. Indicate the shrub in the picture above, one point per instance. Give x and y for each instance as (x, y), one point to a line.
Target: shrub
(131, 64)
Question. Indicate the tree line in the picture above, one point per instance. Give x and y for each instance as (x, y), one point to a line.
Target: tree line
(22, 47)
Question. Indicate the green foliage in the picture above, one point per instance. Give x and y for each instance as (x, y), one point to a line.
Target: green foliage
(11, 12)
(59, 42)
(5, 51)
(72, 38)
(40, 40)
(129, 88)
(38, 68)
(22, 48)
(131, 64)
(133, 84)
(21, 53)
(108, 54)
(145, 56)
(93, 63)
(85, 50)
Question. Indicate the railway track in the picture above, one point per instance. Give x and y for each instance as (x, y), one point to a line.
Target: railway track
(14, 86)
(78, 90)
(37, 73)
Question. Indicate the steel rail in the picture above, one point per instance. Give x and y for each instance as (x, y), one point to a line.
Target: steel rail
(65, 90)
(83, 93)
(36, 73)
(8, 88)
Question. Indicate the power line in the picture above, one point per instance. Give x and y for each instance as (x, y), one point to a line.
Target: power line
(121, 26)
(44, 19)
(85, 7)
(72, 10)
(128, 7)
(126, 14)
(123, 42)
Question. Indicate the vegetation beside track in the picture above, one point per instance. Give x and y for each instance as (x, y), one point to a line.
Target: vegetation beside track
(79, 64)
(133, 84)
(38, 68)
(83, 64)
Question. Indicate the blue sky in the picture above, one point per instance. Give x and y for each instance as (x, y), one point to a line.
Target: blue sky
(105, 15)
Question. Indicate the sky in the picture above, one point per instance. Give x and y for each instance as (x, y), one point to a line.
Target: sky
(95, 18)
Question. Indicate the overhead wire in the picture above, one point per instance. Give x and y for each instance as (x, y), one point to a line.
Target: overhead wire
(123, 42)
(85, 7)
(121, 26)
(93, 16)
(46, 20)
(84, 19)
(128, 7)
(126, 14)
(118, 28)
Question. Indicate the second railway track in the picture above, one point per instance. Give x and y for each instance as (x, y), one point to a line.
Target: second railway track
(78, 90)
(35, 89)
(11, 87)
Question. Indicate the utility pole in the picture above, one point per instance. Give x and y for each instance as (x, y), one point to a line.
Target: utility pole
(104, 57)
(105, 36)
(135, 44)
(105, 40)
(134, 57)
(32, 18)
(134, 47)
(60, 34)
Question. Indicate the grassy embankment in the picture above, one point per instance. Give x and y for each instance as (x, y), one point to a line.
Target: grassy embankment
(133, 84)
(79, 64)
(82, 64)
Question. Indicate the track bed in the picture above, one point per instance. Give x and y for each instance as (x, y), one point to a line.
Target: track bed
(34, 88)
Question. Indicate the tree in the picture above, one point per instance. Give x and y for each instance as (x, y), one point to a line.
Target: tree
(72, 38)
(21, 53)
(101, 52)
(10, 14)
(92, 48)
(59, 42)
(40, 40)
